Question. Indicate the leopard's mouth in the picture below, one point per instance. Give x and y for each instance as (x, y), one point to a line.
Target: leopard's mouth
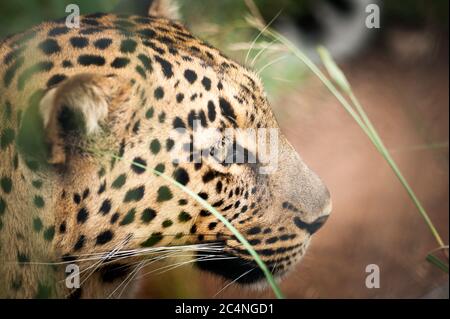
(236, 268)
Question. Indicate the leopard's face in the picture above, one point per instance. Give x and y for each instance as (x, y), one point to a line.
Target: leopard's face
(123, 100)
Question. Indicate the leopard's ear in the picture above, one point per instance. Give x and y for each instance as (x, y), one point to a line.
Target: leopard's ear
(164, 8)
(78, 108)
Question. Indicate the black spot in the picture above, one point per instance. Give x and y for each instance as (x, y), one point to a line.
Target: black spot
(102, 44)
(77, 198)
(104, 237)
(162, 117)
(202, 117)
(254, 242)
(190, 75)
(90, 59)
(153, 46)
(134, 194)
(146, 62)
(106, 207)
(128, 218)
(169, 144)
(152, 240)
(148, 215)
(148, 33)
(141, 71)
(102, 188)
(160, 168)
(178, 123)
(114, 218)
(140, 167)
(89, 31)
(128, 46)
(91, 22)
(155, 146)
(212, 225)
(58, 31)
(49, 46)
(67, 258)
(62, 227)
(184, 217)
(167, 223)
(159, 93)
(181, 176)
(219, 187)
(227, 110)
(180, 97)
(254, 231)
(80, 243)
(67, 64)
(203, 195)
(182, 202)
(22, 258)
(82, 215)
(149, 113)
(136, 127)
(56, 79)
(206, 82)
(86, 193)
(218, 204)
(204, 213)
(209, 176)
(79, 42)
(165, 66)
(164, 194)
(119, 181)
(211, 111)
(120, 63)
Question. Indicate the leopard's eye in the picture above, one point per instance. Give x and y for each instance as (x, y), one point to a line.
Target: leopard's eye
(228, 152)
(221, 150)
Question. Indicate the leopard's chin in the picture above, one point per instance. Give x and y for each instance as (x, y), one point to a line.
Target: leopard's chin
(239, 270)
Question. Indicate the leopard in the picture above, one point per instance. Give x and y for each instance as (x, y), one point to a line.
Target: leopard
(90, 118)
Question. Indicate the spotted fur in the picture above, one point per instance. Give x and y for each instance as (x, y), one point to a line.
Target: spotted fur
(119, 84)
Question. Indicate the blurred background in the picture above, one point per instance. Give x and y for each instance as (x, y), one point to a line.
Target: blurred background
(400, 74)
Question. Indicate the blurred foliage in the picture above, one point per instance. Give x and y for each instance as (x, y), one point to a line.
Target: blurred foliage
(417, 12)
(17, 15)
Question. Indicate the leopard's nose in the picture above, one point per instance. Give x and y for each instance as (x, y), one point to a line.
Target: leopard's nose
(312, 227)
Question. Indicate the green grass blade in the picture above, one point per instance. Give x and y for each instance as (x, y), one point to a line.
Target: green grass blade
(438, 263)
(356, 111)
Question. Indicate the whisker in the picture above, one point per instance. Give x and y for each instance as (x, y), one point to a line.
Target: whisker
(233, 282)
(259, 35)
(271, 63)
(266, 47)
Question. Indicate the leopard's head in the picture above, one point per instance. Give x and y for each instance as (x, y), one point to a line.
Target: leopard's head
(128, 97)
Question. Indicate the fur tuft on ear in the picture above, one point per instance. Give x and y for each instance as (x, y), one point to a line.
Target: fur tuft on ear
(164, 8)
(78, 107)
